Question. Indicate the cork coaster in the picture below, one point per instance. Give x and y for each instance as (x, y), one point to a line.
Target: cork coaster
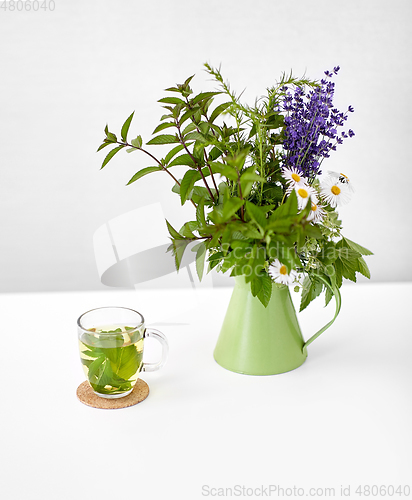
(88, 397)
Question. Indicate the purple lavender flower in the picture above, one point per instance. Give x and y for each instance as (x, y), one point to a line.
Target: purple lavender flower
(311, 126)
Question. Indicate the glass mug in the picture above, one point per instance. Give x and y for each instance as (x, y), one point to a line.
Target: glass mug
(111, 343)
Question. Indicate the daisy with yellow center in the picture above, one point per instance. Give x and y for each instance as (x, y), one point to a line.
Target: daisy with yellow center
(343, 179)
(335, 192)
(317, 214)
(293, 177)
(279, 273)
(303, 194)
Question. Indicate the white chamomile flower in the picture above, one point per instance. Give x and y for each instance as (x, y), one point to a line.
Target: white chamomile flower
(303, 193)
(279, 273)
(293, 177)
(335, 192)
(317, 214)
(342, 178)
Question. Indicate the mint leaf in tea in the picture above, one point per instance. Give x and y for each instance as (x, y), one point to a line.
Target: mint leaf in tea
(111, 356)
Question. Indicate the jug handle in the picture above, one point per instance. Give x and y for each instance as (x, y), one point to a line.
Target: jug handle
(335, 290)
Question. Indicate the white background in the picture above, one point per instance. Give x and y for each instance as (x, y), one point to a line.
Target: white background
(66, 73)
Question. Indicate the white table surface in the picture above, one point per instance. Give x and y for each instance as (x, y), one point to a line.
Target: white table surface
(343, 419)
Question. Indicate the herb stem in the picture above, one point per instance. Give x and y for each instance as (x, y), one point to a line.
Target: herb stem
(158, 162)
(198, 167)
(204, 152)
(211, 173)
(242, 210)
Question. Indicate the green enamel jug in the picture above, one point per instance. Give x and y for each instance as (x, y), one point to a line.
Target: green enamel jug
(258, 340)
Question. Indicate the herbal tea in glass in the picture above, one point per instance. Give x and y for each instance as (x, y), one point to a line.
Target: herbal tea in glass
(111, 349)
(111, 356)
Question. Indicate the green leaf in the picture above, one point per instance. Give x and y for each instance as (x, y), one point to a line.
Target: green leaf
(95, 367)
(313, 231)
(273, 192)
(173, 152)
(215, 256)
(172, 100)
(251, 176)
(178, 248)
(231, 206)
(204, 96)
(200, 259)
(229, 172)
(111, 137)
(256, 214)
(363, 267)
(311, 289)
(219, 110)
(250, 231)
(143, 172)
(238, 160)
(103, 145)
(349, 260)
(255, 285)
(113, 366)
(110, 155)
(137, 143)
(195, 136)
(328, 296)
(347, 254)
(173, 233)
(129, 362)
(190, 128)
(275, 121)
(252, 131)
(201, 192)
(204, 128)
(162, 126)
(338, 272)
(265, 292)
(328, 254)
(267, 208)
(187, 183)
(187, 81)
(188, 114)
(184, 159)
(287, 209)
(125, 128)
(163, 139)
(238, 238)
(186, 231)
(358, 248)
(193, 225)
(86, 362)
(200, 213)
(215, 153)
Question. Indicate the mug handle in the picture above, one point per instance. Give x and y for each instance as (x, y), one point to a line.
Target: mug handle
(152, 333)
(335, 290)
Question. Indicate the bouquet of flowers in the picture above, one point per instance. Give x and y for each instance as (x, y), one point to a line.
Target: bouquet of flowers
(262, 207)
